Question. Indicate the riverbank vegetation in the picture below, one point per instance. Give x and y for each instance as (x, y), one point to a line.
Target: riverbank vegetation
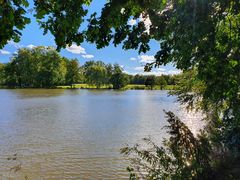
(43, 67)
(201, 38)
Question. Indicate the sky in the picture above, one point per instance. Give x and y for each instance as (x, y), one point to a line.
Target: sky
(130, 60)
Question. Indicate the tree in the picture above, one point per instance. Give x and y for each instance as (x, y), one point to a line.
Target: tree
(37, 67)
(52, 69)
(73, 72)
(172, 79)
(10, 75)
(2, 74)
(200, 35)
(109, 68)
(95, 73)
(118, 79)
(161, 81)
(150, 82)
(139, 79)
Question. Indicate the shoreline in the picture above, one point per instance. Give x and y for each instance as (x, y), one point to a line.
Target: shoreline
(89, 87)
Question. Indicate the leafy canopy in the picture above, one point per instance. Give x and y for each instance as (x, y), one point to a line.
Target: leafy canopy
(12, 19)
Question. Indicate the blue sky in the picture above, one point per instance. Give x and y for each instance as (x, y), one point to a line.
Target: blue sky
(130, 60)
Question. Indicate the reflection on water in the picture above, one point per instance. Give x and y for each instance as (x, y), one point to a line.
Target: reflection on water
(77, 134)
(36, 93)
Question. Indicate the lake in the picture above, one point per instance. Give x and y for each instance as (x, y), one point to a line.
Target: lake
(77, 134)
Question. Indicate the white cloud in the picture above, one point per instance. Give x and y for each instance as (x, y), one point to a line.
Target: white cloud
(133, 59)
(132, 22)
(76, 49)
(31, 46)
(146, 58)
(3, 52)
(140, 68)
(88, 56)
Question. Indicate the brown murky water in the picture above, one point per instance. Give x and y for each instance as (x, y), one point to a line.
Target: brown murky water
(77, 134)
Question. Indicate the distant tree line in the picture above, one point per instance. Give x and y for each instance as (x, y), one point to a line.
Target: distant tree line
(43, 67)
(152, 80)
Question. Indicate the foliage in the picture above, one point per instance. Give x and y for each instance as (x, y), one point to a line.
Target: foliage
(161, 81)
(109, 68)
(43, 67)
(95, 73)
(182, 156)
(223, 131)
(62, 19)
(37, 67)
(118, 78)
(138, 79)
(2, 74)
(73, 72)
(189, 90)
(12, 20)
(52, 71)
(150, 82)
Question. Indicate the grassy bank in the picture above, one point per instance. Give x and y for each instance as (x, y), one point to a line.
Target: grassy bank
(84, 86)
(128, 87)
(143, 87)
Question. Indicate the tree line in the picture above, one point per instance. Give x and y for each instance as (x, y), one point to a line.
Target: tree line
(43, 67)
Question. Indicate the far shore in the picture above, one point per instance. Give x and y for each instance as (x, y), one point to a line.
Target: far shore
(104, 87)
